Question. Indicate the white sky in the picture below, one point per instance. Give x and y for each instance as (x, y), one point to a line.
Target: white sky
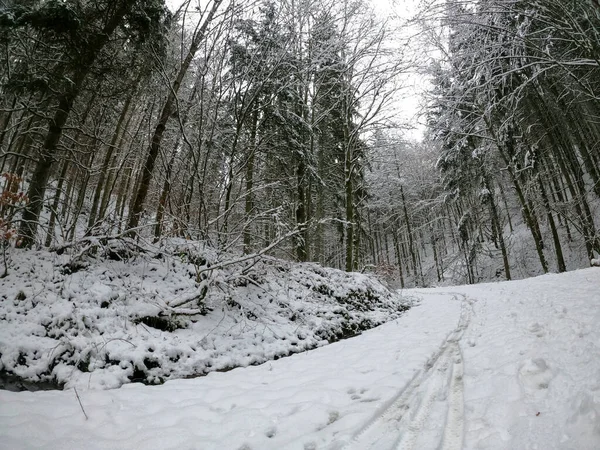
(409, 103)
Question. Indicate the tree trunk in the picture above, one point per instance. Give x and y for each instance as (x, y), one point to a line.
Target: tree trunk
(39, 179)
(56, 203)
(435, 254)
(498, 227)
(105, 165)
(557, 247)
(349, 207)
(249, 199)
(411, 246)
(167, 111)
(507, 152)
(398, 258)
(301, 212)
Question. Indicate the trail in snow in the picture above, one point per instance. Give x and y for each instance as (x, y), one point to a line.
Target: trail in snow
(412, 418)
(303, 402)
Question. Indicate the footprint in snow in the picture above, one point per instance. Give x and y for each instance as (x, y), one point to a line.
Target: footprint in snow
(271, 432)
(535, 375)
(585, 416)
(352, 393)
(536, 329)
(333, 416)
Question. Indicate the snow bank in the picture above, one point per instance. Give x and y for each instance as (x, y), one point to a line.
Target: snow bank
(104, 320)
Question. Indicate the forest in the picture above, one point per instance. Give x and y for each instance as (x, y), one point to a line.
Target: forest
(264, 127)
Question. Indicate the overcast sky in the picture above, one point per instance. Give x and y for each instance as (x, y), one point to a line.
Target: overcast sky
(415, 83)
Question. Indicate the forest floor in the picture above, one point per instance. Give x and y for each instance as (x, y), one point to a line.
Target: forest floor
(510, 365)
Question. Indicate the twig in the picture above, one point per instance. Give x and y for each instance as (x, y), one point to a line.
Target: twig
(79, 400)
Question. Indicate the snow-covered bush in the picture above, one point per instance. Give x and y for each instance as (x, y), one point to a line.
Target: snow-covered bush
(178, 310)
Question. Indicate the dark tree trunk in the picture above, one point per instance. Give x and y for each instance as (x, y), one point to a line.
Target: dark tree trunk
(249, 199)
(398, 258)
(106, 163)
(557, 247)
(411, 246)
(56, 203)
(498, 228)
(39, 179)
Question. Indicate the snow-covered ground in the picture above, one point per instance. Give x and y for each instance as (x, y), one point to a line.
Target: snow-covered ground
(172, 311)
(512, 365)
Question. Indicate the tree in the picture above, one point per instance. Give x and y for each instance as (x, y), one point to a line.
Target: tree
(77, 35)
(516, 87)
(168, 109)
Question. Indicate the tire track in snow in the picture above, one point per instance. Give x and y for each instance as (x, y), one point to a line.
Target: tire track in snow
(422, 405)
(399, 423)
(455, 420)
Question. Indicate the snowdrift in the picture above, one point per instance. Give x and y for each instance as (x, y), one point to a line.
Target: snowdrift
(111, 313)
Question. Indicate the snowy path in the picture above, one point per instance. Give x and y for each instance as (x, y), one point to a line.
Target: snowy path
(313, 400)
(401, 424)
(498, 366)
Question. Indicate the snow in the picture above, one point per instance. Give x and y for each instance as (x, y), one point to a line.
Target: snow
(83, 327)
(511, 365)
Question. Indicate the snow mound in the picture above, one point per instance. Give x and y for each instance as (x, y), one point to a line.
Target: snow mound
(110, 315)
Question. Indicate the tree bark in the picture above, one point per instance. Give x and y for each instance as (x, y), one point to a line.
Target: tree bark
(498, 228)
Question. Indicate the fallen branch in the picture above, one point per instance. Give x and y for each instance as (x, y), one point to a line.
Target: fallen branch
(251, 256)
(195, 297)
(96, 240)
(204, 285)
